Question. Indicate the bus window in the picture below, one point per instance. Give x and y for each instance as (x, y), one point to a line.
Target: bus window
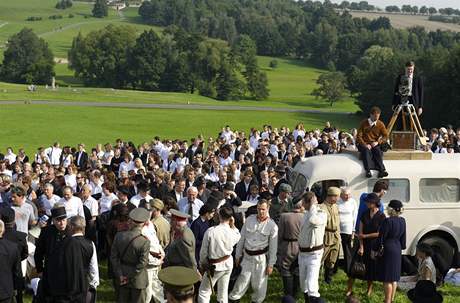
(300, 185)
(398, 189)
(320, 188)
(439, 190)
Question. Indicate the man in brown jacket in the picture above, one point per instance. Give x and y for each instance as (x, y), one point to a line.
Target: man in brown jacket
(371, 134)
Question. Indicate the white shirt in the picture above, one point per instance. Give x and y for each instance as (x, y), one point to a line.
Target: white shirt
(180, 163)
(137, 199)
(218, 241)
(148, 230)
(257, 235)
(71, 180)
(254, 142)
(313, 227)
(11, 157)
(24, 216)
(107, 157)
(170, 165)
(225, 162)
(49, 203)
(92, 205)
(348, 212)
(125, 167)
(106, 202)
(54, 154)
(73, 207)
(183, 206)
(96, 188)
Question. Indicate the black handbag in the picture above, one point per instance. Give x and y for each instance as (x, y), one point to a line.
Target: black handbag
(358, 268)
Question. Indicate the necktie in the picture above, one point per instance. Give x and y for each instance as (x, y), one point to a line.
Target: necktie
(190, 210)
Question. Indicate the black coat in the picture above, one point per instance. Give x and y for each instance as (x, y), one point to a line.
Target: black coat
(20, 239)
(10, 268)
(83, 160)
(240, 189)
(417, 92)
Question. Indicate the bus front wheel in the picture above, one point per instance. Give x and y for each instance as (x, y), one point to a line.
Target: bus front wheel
(443, 251)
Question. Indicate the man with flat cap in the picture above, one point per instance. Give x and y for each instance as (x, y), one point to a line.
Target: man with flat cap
(130, 257)
(162, 226)
(181, 250)
(332, 232)
(48, 248)
(282, 203)
(178, 283)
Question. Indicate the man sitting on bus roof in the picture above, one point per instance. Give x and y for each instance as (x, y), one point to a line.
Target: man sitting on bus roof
(371, 134)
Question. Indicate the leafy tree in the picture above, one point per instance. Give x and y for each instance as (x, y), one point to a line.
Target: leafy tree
(331, 87)
(228, 86)
(406, 8)
(256, 81)
(63, 4)
(146, 61)
(324, 43)
(415, 9)
(100, 58)
(432, 10)
(244, 49)
(423, 10)
(27, 59)
(344, 5)
(100, 9)
(392, 9)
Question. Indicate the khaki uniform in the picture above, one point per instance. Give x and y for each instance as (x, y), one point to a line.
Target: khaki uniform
(163, 230)
(331, 235)
(131, 261)
(278, 207)
(181, 251)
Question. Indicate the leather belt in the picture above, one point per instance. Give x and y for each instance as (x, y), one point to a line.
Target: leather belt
(311, 249)
(257, 252)
(218, 260)
(155, 255)
(329, 230)
(289, 240)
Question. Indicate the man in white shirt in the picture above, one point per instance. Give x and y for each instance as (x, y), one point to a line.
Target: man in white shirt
(10, 156)
(48, 199)
(73, 205)
(348, 213)
(259, 244)
(191, 204)
(89, 201)
(216, 257)
(311, 247)
(142, 193)
(24, 212)
(54, 154)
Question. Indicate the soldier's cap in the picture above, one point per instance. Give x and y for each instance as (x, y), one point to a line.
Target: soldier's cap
(333, 191)
(7, 215)
(58, 213)
(286, 188)
(157, 203)
(139, 215)
(178, 279)
(178, 215)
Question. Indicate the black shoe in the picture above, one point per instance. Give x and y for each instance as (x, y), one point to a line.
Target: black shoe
(306, 297)
(316, 300)
(234, 301)
(288, 285)
(327, 276)
(383, 174)
(368, 174)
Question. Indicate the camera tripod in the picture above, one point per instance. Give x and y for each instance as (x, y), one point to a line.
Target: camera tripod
(413, 118)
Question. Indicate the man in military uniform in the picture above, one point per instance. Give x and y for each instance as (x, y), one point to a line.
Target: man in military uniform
(216, 260)
(311, 239)
(181, 250)
(332, 232)
(162, 226)
(178, 283)
(130, 257)
(282, 203)
(288, 248)
(258, 243)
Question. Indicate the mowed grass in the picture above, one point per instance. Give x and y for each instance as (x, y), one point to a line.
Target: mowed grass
(406, 21)
(31, 126)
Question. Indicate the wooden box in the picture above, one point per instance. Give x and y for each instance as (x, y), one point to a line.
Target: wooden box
(403, 140)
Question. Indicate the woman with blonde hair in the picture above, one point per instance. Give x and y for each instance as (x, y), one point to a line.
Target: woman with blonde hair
(391, 242)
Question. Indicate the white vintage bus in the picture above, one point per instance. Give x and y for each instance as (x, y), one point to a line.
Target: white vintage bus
(429, 189)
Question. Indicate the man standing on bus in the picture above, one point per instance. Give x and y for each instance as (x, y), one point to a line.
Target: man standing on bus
(371, 134)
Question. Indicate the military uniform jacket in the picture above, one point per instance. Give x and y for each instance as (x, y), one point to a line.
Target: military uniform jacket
(278, 207)
(133, 264)
(288, 233)
(181, 251)
(163, 229)
(332, 231)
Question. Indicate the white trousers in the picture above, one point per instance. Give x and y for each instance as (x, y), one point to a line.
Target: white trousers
(155, 288)
(309, 267)
(252, 272)
(222, 278)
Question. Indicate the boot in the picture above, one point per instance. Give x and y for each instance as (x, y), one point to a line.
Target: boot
(288, 286)
(316, 300)
(327, 275)
(306, 297)
(296, 286)
(233, 301)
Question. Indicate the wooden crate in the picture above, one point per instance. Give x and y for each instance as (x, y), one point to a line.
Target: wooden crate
(403, 140)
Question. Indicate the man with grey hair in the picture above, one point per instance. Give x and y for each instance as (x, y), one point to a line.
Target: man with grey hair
(191, 205)
(73, 205)
(48, 199)
(288, 248)
(10, 267)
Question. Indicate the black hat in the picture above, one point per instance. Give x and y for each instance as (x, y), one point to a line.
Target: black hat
(218, 195)
(199, 181)
(58, 213)
(7, 215)
(142, 186)
(396, 205)
(124, 190)
(424, 292)
(145, 204)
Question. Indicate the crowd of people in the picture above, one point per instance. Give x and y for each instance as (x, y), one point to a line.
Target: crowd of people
(221, 207)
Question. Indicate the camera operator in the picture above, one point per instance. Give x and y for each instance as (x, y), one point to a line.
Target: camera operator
(409, 89)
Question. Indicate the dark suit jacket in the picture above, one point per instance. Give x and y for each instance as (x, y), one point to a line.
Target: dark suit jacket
(240, 189)
(83, 160)
(417, 91)
(190, 154)
(10, 268)
(20, 239)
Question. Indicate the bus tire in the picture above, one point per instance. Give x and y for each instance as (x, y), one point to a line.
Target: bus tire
(442, 248)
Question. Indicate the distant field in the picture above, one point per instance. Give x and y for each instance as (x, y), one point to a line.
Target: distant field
(405, 21)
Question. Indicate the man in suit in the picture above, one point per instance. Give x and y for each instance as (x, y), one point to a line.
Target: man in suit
(81, 157)
(242, 187)
(10, 267)
(17, 237)
(409, 88)
(181, 250)
(130, 257)
(194, 149)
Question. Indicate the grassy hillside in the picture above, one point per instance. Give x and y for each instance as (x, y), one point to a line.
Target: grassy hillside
(405, 21)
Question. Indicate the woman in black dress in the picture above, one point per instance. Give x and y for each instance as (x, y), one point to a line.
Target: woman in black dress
(369, 226)
(393, 238)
